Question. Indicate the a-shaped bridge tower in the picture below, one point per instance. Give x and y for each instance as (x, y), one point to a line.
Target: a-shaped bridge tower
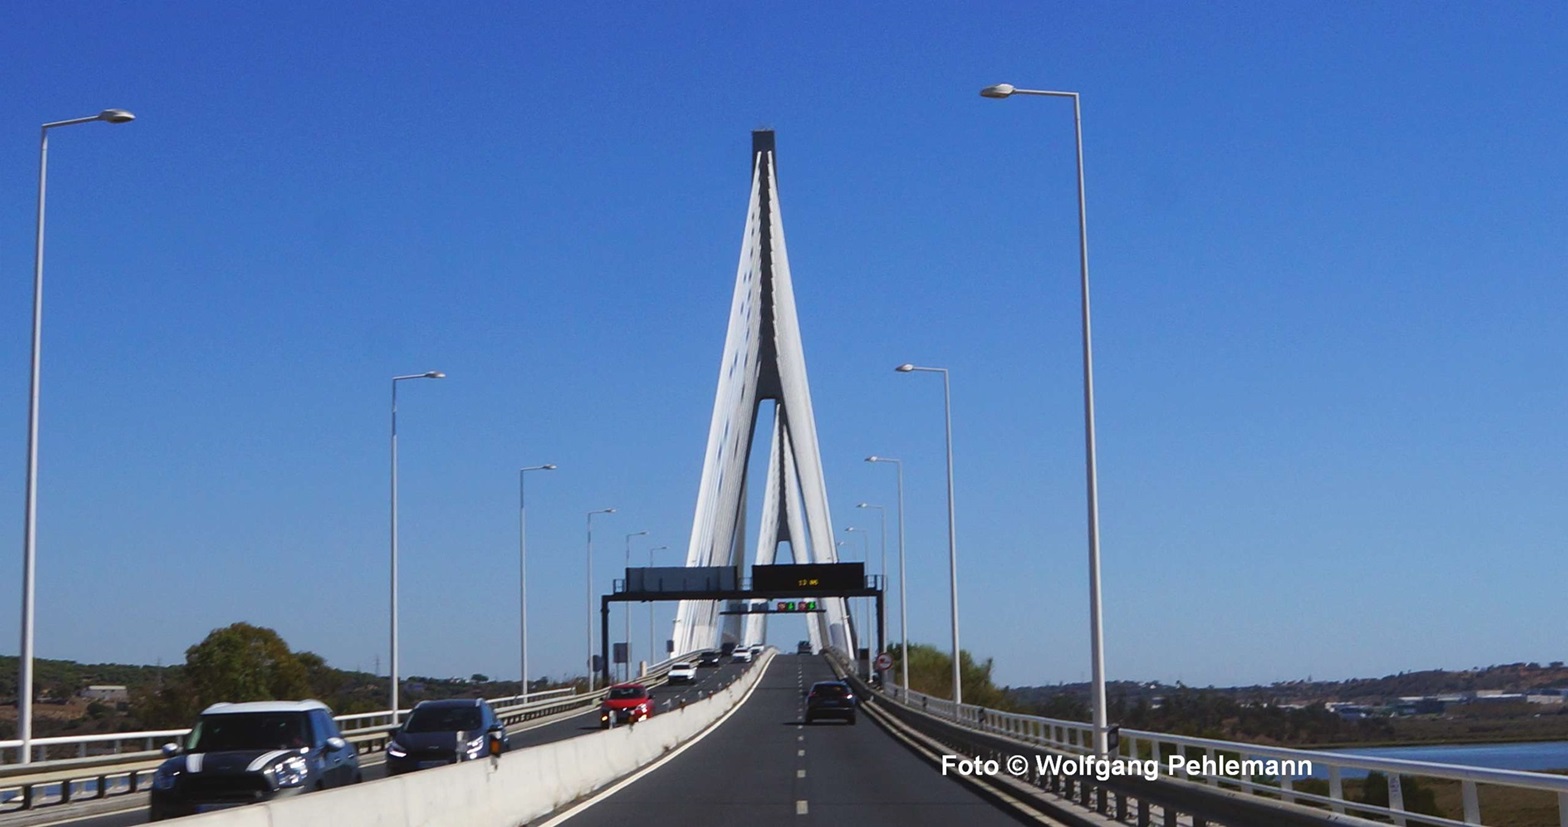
(763, 362)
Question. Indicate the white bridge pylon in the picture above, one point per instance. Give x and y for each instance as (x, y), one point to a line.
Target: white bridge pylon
(763, 361)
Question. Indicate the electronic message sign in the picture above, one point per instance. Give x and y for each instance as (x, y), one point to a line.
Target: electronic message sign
(808, 578)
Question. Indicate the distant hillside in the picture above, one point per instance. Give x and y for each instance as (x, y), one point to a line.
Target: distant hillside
(1510, 677)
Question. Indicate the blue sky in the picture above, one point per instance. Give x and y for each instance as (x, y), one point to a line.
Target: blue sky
(1327, 244)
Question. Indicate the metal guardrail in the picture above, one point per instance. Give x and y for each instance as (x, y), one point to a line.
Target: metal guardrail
(118, 771)
(1075, 738)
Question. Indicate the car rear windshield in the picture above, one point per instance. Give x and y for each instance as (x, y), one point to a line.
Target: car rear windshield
(621, 693)
(443, 719)
(249, 731)
(830, 689)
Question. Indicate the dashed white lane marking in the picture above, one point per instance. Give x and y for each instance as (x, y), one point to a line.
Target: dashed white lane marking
(800, 753)
(800, 737)
(800, 773)
(800, 807)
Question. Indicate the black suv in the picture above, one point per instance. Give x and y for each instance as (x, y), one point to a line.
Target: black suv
(248, 752)
(445, 732)
(709, 658)
(830, 699)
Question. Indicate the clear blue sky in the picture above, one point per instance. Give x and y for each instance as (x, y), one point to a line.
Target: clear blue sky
(1327, 243)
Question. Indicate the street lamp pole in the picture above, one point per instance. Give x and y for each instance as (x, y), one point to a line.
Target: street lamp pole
(882, 514)
(650, 604)
(865, 559)
(434, 374)
(522, 567)
(628, 610)
(591, 675)
(952, 536)
(903, 603)
(1096, 629)
(29, 519)
(853, 638)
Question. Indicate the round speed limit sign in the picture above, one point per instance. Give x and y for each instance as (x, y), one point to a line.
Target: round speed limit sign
(884, 662)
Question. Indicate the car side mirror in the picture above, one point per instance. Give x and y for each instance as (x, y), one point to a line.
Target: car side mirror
(170, 750)
(336, 742)
(497, 727)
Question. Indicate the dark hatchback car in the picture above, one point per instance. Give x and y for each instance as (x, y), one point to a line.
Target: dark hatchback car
(438, 733)
(709, 658)
(248, 752)
(830, 699)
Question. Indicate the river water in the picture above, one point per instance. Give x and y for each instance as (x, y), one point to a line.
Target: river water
(1540, 755)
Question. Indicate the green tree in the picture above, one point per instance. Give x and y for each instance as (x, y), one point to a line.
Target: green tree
(931, 672)
(242, 662)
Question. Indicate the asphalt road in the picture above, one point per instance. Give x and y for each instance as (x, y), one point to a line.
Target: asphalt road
(764, 767)
(129, 809)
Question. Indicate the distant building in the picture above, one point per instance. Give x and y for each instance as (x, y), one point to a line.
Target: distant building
(106, 693)
(1547, 696)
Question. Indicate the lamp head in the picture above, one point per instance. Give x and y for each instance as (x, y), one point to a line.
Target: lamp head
(116, 116)
(873, 459)
(550, 467)
(904, 368)
(1001, 90)
(864, 505)
(435, 374)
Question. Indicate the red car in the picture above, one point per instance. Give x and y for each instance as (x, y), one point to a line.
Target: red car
(627, 703)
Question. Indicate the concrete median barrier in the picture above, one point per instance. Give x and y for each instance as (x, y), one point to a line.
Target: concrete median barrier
(520, 787)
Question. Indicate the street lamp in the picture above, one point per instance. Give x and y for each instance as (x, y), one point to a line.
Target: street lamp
(865, 559)
(882, 513)
(434, 374)
(628, 610)
(591, 674)
(522, 566)
(30, 527)
(650, 603)
(853, 638)
(952, 536)
(1096, 630)
(903, 604)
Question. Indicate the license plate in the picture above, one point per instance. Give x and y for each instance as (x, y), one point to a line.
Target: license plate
(425, 765)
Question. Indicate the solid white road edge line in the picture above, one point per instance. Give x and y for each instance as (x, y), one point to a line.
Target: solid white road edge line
(628, 780)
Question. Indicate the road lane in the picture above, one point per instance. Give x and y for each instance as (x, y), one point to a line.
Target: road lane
(765, 767)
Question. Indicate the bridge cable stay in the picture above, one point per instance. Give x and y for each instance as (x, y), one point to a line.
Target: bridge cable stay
(763, 361)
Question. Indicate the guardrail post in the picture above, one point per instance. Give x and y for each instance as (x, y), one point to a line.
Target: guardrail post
(1143, 812)
(1472, 803)
(1396, 797)
(1336, 790)
(1121, 806)
(1287, 788)
(1170, 816)
(1212, 779)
